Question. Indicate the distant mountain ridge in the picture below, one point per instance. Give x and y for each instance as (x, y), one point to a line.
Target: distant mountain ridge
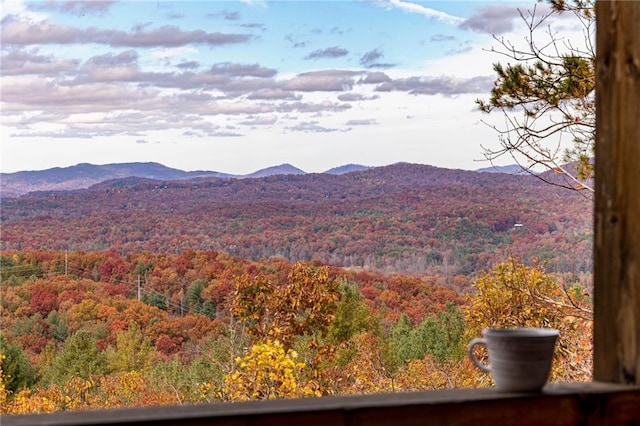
(85, 175)
(282, 169)
(512, 169)
(347, 168)
(403, 217)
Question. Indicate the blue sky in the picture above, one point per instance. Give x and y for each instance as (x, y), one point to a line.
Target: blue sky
(238, 86)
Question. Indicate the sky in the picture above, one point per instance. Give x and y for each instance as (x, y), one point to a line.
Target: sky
(237, 86)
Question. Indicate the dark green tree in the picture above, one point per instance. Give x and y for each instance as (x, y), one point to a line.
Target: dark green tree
(155, 299)
(57, 326)
(17, 371)
(196, 303)
(352, 316)
(401, 345)
(194, 296)
(80, 356)
(440, 335)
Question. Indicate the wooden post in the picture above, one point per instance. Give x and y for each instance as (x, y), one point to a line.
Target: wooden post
(617, 193)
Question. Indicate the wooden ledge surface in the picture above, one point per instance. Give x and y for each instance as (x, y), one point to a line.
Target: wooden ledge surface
(558, 404)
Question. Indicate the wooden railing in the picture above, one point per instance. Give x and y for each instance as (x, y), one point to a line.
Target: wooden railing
(569, 404)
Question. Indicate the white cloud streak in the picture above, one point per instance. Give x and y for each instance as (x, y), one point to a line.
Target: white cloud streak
(422, 10)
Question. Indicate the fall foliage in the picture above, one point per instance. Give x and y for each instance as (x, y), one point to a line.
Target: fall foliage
(405, 218)
(273, 329)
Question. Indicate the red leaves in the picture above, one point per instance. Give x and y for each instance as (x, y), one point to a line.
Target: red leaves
(43, 300)
(168, 345)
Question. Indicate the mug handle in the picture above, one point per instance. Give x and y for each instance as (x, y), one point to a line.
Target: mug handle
(475, 342)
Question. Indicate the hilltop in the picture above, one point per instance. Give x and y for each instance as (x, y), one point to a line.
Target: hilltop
(405, 217)
(84, 175)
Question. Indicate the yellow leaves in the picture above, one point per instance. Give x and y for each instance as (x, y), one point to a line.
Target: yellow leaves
(112, 391)
(303, 304)
(422, 374)
(121, 389)
(267, 371)
(515, 295)
(209, 392)
(24, 403)
(4, 393)
(365, 372)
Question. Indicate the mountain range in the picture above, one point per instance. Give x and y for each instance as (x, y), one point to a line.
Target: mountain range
(399, 218)
(85, 175)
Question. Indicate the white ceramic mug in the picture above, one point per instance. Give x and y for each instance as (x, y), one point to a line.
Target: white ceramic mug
(519, 358)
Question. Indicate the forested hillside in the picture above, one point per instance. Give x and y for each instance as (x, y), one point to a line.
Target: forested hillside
(100, 330)
(85, 175)
(143, 292)
(405, 218)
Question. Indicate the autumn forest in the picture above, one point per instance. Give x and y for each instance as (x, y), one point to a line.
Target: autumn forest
(138, 292)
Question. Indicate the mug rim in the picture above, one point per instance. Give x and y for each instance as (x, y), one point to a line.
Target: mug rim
(521, 332)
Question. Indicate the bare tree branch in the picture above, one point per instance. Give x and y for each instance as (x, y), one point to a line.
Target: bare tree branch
(547, 99)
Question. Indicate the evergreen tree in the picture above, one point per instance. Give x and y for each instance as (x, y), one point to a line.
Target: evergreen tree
(547, 96)
(17, 371)
(79, 357)
(132, 352)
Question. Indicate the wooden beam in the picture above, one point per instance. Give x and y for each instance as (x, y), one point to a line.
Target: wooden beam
(559, 404)
(617, 193)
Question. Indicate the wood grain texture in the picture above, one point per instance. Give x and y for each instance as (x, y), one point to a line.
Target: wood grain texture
(558, 404)
(617, 204)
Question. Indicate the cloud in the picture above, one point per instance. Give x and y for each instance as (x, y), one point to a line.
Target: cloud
(273, 94)
(381, 65)
(363, 122)
(114, 94)
(267, 120)
(242, 70)
(328, 80)
(370, 58)
(331, 52)
(310, 127)
(227, 134)
(75, 7)
(241, 86)
(19, 32)
(295, 43)
(422, 10)
(25, 62)
(169, 54)
(494, 19)
(375, 78)
(127, 57)
(261, 3)
(226, 77)
(353, 97)
(254, 25)
(167, 36)
(460, 50)
(230, 108)
(447, 86)
(202, 129)
(188, 65)
(309, 107)
(441, 38)
(231, 15)
(26, 94)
